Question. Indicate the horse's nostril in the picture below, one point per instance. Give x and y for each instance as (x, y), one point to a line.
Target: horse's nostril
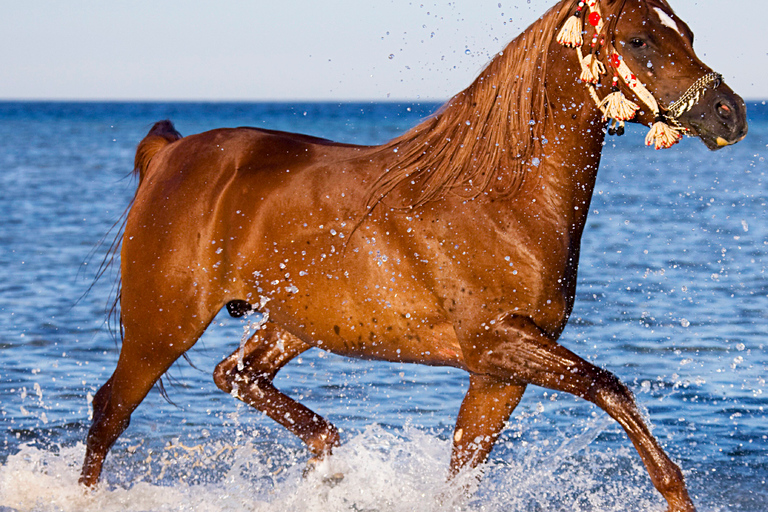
(723, 110)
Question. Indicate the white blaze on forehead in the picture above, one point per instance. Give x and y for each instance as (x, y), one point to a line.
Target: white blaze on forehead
(667, 20)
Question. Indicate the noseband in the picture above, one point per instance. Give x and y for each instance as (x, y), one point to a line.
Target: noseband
(694, 93)
(666, 130)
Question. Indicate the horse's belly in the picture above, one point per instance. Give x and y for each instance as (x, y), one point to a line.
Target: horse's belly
(384, 335)
(435, 345)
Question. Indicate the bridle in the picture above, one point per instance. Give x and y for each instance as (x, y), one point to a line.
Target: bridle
(691, 97)
(666, 130)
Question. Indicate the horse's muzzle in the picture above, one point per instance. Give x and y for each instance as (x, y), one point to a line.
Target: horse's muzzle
(719, 120)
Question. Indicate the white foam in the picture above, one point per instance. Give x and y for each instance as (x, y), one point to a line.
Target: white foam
(383, 471)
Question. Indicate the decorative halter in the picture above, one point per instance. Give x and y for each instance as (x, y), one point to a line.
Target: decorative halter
(666, 130)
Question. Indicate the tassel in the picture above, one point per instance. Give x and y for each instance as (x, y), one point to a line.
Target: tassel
(570, 34)
(662, 135)
(591, 69)
(617, 106)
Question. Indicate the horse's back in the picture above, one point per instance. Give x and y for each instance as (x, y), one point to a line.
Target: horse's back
(209, 202)
(253, 148)
(197, 171)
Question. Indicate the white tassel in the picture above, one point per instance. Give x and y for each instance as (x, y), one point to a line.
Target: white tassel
(662, 135)
(617, 106)
(570, 34)
(591, 69)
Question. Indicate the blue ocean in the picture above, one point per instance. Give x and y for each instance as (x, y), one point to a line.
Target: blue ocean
(672, 297)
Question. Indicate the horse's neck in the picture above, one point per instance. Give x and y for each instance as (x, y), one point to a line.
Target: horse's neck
(574, 136)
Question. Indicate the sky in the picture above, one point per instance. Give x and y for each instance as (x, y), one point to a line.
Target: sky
(266, 50)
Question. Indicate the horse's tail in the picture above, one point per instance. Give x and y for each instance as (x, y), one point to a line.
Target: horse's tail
(161, 134)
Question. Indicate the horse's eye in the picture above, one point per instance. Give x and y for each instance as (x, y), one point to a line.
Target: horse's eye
(637, 43)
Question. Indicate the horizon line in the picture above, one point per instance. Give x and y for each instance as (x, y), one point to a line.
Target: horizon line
(254, 100)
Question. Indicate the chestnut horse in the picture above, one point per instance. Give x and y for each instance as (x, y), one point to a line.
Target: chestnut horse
(455, 244)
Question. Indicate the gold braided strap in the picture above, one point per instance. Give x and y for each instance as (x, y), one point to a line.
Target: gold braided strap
(694, 93)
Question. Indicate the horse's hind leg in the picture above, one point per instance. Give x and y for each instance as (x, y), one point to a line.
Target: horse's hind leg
(150, 346)
(248, 373)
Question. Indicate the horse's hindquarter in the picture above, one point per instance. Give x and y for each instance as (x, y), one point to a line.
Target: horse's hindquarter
(209, 205)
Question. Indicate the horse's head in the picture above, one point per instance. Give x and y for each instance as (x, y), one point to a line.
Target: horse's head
(658, 47)
(646, 52)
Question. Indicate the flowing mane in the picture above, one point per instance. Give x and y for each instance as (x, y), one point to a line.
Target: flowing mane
(483, 138)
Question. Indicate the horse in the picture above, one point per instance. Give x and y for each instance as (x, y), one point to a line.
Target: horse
(454, 244)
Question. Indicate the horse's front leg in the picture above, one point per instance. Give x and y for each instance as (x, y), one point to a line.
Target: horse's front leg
(486, 407)
(517, 350)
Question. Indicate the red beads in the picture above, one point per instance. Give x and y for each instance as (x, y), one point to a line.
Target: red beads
(594, 18)
(615, 60)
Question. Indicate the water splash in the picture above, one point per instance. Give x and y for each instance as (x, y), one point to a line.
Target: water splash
(383, 470)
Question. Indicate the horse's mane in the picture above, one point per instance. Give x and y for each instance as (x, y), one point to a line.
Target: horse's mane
(484, 138)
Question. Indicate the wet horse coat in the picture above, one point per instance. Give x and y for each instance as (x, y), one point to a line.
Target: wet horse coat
(456, 244)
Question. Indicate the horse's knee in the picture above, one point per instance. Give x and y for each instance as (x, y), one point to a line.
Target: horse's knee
(231, 378)
(672, 481)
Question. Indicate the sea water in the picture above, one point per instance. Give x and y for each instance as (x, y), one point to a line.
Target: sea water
(672, 297)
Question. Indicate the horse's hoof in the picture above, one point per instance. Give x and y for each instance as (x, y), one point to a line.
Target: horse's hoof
(333, 480)
(311, 466)
(315, 464)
